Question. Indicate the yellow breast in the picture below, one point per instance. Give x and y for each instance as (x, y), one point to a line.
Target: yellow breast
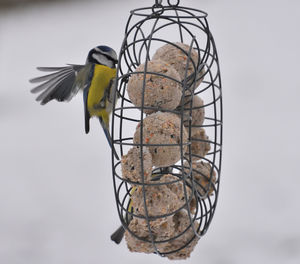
(100, 82)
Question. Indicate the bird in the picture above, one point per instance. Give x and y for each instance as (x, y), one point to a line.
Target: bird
(96, 79)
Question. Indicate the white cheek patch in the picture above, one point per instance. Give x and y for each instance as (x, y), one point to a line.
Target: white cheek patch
(101, 59)
(97, 57)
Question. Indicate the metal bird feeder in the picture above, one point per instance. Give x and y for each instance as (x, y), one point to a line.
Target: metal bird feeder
(148, 29)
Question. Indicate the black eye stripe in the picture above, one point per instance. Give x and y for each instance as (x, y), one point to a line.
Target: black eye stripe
(107, 56)
(111, 58)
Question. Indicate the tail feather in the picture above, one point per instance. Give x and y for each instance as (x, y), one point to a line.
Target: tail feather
(108, 137)
(117, 236)
(86, 112)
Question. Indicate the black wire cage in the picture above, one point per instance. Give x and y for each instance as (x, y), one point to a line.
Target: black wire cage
(147, 30)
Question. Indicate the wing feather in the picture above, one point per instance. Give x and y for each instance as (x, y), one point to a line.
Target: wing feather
(60, 85)
(60, 91)
(48, 77)
(49, 69)
(52, 82)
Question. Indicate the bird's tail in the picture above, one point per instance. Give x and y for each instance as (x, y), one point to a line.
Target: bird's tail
(117, 236)
(108, 137)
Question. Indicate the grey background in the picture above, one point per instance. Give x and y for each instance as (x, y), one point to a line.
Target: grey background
(56, 194)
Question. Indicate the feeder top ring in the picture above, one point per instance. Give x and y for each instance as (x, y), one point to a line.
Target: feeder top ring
(166, 12)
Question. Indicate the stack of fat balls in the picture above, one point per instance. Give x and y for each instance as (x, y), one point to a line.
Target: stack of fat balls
(169, 197)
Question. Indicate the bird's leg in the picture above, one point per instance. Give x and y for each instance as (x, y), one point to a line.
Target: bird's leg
(110, 91)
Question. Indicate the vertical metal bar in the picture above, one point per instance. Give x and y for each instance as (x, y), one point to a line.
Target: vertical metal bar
(141, 135)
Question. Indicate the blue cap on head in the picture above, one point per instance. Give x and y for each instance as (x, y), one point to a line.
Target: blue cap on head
(104, 48)
(103, 55)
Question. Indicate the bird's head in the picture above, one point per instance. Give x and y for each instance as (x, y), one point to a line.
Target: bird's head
(103, 55)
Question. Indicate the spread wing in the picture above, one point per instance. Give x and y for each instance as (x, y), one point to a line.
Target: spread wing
(59, 85)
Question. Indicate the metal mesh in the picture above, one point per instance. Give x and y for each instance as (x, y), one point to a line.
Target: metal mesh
(148, 29)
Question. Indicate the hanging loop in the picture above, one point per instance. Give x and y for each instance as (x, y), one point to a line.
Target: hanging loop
(175, 4)
(157, 8)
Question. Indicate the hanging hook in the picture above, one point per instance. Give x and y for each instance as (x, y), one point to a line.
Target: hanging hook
(158, 2)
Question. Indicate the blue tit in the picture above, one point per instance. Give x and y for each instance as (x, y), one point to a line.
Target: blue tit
(96, 79)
